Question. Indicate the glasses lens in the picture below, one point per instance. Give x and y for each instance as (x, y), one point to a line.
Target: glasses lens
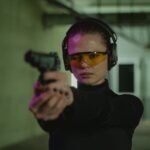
(91, 58)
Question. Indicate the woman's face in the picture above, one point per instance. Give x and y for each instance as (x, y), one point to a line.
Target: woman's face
(85, 72)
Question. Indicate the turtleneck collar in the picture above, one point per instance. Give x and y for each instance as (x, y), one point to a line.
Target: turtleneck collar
(98, 87)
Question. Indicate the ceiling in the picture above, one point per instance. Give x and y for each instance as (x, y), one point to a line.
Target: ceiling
(113, 11)
(129, 13)
(98, 6)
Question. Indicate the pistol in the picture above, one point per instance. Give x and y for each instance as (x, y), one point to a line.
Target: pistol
(43, 62)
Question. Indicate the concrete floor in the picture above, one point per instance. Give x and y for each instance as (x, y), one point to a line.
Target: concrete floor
(141, 140)
(35, 143)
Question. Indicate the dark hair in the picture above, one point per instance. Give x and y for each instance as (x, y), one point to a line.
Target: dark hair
(87, 26)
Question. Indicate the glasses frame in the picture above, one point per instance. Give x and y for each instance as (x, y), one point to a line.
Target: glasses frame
(80, 57)
(93, 52)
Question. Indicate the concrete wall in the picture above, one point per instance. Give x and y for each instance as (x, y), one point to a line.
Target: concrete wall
(146, 83)
(129, 53)
(20, 29)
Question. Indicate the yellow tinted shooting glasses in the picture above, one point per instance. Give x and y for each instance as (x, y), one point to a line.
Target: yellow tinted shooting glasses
(90, 58)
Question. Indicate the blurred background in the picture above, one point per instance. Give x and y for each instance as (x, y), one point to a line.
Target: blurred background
(41, 25)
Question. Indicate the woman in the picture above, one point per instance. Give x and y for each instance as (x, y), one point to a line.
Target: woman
(91, 116)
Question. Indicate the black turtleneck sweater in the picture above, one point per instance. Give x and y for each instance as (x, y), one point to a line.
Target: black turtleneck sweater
(99, 119)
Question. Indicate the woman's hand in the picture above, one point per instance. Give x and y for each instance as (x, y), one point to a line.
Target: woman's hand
(50, 100)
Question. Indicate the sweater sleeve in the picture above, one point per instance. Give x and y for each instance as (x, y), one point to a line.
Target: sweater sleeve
(126, 111)
(51, 125)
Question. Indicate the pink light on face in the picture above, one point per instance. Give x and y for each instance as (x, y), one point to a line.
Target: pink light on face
(88, 42)
(72, 43)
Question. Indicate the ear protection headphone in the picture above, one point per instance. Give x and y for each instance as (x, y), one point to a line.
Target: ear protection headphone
(112, 50)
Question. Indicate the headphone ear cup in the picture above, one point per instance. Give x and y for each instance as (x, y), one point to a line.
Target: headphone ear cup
(65, 54)
(112, 60)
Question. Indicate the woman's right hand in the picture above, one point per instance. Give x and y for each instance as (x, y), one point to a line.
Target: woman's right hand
(50, 100)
